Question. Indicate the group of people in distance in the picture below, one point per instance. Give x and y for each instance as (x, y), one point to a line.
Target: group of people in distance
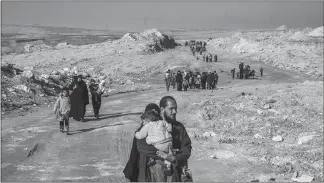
(245, 73)
(185, 80)
(74, 105)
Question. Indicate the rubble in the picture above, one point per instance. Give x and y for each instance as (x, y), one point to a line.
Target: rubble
(22, 87)
(29, 48)
(28, 74)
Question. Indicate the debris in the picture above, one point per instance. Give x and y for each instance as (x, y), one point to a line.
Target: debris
(213, 157)
(258, 136)
(259, 111)
(22, 87)
(277, 138)
(267, 106)
(305, 139)
(27, 74)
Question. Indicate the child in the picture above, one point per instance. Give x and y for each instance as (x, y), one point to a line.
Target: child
(157, 132)
(62, 110)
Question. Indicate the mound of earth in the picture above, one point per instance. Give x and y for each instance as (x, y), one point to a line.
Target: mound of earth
(318, 32)
(299, 36)
(152, 39)
(243, 46)
(282, 28)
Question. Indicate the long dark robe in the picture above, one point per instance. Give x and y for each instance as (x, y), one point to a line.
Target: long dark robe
(79, 100)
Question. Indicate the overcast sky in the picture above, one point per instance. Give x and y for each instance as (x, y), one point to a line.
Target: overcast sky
(168, 15)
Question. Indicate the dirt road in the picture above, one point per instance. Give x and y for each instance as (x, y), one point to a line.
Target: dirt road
(97, 150)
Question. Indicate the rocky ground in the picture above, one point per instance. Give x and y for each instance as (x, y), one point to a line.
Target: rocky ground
(269, 128)
(286, 49)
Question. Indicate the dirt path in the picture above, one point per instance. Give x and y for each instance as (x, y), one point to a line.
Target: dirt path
(97, 150)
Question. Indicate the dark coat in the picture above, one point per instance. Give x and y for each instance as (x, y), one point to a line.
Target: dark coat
(137, 170)
(179, 78)
(210, 78)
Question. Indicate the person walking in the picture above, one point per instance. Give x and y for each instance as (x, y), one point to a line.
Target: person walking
(261, 71)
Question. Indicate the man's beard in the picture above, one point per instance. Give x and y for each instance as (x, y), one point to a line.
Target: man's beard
(169, 118)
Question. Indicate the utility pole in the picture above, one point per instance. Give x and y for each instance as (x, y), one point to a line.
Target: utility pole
(226, 20)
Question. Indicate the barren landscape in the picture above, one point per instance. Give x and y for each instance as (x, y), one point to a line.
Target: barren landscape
(266, 129)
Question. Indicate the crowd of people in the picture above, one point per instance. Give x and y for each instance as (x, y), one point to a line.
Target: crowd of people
(74, 105)
(245, 73)
(209, 58)
(184, 80)
(200, 47)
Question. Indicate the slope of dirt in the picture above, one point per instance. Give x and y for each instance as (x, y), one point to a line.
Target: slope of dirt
(318, 32)
(282, 28)
(275, 48)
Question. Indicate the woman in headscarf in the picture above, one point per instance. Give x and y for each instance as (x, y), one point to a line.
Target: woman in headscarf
(179, 80)
(79, 98)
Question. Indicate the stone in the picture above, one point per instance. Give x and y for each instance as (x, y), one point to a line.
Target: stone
(44, 76)
(55, 72)
(253, 118)
(258, 136)
(212, 157)
(209, 134)
(305, 139)
(267, 106)
(277, 138)
(303, 178)
(4, 96)
(27, 74)
(259, 111)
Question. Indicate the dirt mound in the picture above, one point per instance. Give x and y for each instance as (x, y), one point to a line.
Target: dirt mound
(318, 32)
(150, 41)
(299, 36)
(243, 46)
(29, 48)
(282, 28)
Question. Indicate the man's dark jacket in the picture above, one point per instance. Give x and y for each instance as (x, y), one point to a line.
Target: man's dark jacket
(136, 169)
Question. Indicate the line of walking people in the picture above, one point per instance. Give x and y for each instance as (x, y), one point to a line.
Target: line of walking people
(74, 105)
(182, 81)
